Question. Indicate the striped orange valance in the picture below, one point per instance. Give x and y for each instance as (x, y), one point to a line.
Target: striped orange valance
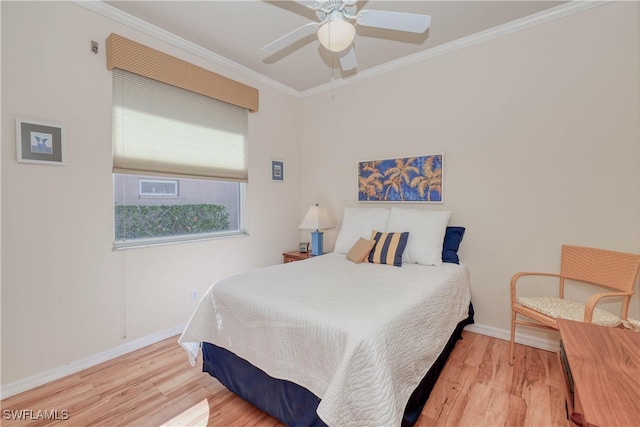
(137, 58)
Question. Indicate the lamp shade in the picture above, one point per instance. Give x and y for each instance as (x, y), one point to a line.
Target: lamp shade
(317, 218)
(336, 35)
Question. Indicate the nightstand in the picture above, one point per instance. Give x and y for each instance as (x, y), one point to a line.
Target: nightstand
(295, 256)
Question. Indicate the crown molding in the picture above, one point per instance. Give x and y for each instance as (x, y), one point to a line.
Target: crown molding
(570, 8)
(158, 33)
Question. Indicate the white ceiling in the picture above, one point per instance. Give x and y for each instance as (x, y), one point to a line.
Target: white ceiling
(238, 29)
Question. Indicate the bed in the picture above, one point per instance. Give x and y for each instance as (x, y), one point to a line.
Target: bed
(330, 341)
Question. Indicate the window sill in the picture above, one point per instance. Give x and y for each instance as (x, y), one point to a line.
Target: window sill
(161, 241)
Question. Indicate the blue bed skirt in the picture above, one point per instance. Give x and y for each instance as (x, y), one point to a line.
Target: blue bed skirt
(294, 405)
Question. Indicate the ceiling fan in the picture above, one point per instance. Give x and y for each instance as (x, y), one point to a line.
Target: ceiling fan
(336, 31)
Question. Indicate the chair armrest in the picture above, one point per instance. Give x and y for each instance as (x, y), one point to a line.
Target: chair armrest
(590, 305)
(515, 277)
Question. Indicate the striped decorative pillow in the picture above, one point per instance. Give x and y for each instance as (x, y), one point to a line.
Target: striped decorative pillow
(389, 248)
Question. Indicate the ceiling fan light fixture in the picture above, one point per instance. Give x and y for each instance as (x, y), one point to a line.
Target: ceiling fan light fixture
(336, 35)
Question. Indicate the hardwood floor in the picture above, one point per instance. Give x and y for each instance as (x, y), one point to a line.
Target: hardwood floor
(478, 387)
(156, 386)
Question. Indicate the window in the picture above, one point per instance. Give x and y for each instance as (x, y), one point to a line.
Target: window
(158, 187)
(202, 209)
(179, 163)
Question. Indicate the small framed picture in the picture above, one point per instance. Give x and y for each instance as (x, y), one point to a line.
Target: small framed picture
(277, 170)
(38, 142)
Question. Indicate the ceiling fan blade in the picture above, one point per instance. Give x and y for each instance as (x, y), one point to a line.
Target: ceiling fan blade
(348, 59)
(400, 21)
(311, 4)
(292, 37)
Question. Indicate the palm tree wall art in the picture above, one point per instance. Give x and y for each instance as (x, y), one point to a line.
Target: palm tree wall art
(408, 179)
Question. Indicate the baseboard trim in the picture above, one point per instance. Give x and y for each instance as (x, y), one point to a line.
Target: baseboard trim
(524, 339)
(77, 366)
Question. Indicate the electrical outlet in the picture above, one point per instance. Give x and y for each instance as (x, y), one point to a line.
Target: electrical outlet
(194, 295)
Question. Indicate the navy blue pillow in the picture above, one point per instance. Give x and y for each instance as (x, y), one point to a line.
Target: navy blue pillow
(452, 239)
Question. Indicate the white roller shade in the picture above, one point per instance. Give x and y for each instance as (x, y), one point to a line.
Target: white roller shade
(162, 129)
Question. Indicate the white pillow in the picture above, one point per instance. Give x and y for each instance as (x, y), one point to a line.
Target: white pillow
(426, 233)
(359, 222)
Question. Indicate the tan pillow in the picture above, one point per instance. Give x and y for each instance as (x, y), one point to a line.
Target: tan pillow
(360, 251)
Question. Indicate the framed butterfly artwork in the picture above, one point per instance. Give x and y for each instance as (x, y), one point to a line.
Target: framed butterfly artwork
(38, 142)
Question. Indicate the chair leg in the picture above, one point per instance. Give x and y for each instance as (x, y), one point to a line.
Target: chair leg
(513, 336)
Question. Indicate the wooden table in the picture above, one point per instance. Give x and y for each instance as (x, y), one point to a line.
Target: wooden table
(602, 369)
(295, 256)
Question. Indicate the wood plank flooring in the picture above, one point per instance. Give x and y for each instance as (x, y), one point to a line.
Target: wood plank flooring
(156, 386)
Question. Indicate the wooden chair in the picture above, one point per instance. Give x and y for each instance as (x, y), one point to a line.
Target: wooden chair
(616, 271)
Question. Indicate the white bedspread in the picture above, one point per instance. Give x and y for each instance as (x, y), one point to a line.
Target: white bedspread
(359, 336)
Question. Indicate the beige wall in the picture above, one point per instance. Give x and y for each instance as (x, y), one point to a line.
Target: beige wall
(540, 137)
(539, 130)
(65, 294)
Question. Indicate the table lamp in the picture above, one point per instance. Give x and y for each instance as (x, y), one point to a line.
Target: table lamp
(316, 219)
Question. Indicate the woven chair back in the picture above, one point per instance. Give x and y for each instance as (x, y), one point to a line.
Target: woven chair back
(611, 269)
